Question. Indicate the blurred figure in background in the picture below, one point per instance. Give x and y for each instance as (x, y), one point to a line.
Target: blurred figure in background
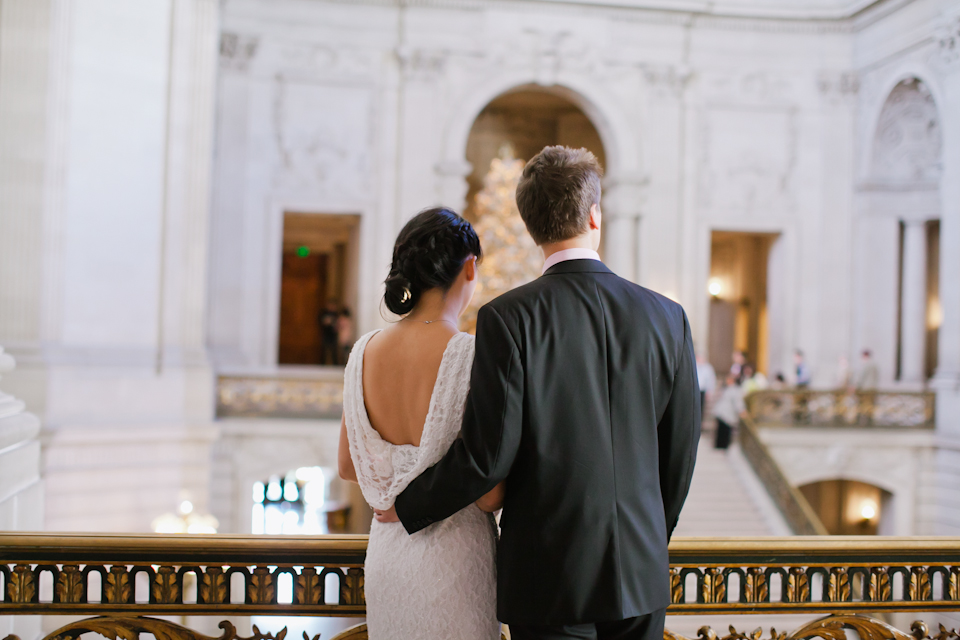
(753, 380)
(707, 377)
(344, 334)
(739, 359)
(801, 369)
(868, 377)
(728, 410)
(843, 373)
(329, 353)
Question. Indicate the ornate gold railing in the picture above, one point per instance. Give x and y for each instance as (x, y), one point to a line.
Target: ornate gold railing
(799, 515)
(290, 395)
(124, 577)
(840, 408)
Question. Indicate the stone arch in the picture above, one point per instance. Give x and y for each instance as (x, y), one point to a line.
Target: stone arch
(896, 152)
(616, 132)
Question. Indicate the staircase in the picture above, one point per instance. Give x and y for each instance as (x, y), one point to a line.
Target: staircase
(726, 498)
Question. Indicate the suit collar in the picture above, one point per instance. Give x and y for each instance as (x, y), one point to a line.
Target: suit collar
(577, 266)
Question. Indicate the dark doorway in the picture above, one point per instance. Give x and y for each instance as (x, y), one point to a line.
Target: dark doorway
(738, 286)
(317, 277)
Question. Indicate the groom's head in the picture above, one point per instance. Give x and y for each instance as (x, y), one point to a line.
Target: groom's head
(556, 192)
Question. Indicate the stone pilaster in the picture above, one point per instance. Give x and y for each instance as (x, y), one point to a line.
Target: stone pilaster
(913, 301)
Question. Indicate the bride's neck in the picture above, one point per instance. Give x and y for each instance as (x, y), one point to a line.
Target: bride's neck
(434, 305)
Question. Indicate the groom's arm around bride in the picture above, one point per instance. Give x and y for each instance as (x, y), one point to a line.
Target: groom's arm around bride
(584, 399)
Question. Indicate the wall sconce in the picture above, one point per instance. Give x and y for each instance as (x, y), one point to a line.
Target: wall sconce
(868, 509)
(715, 287)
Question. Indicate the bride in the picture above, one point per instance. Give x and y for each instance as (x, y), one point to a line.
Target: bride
(403, 400)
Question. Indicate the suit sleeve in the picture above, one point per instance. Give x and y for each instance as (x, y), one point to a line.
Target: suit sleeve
(489, 438)
(678, 433)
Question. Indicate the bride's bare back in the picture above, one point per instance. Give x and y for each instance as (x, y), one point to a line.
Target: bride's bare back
(400, 366)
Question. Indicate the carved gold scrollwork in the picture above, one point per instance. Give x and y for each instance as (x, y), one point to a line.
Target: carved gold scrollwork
(838, 585)
(21, 587)
(953, 586)
(798, 585)
(833, 627)
(676, 586)
(351, 587)
(165, 588)
(879, 589)
(308, 587)
(755, 585)
(117, 587)
(130, 628)
(920, 631)
(213, 586)
(919, 588)
(714, 588)
(260, 590)
(69, 586)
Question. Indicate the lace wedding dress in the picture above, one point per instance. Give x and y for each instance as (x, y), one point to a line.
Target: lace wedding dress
(439, 582)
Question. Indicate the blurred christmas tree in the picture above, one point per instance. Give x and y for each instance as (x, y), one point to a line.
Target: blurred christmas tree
(510, 256)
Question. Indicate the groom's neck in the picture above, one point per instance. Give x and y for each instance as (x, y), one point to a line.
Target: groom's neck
(584, 241)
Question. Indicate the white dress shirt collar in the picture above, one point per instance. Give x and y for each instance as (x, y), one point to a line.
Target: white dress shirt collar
(569, 254)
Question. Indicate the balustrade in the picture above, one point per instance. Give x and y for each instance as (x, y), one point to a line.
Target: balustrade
(124, 578)
(840, 408)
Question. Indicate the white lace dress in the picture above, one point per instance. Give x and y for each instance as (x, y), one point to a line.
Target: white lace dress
(439, 582)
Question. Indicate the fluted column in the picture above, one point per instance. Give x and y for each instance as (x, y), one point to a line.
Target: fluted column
(621, 204)
(913, 302)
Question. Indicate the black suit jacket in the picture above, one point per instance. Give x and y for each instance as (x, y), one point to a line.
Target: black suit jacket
(584, 398)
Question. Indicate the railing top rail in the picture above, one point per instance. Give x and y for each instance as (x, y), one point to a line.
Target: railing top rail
(67, 547)
(305, 549)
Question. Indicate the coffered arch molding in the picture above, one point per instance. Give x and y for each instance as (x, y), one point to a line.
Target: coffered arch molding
(907, 71)
(617, 132)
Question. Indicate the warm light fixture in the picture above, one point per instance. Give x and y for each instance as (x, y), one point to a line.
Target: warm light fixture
(714, 287)
(868, 509)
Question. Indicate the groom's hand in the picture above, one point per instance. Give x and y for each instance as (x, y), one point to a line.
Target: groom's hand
(390, 515)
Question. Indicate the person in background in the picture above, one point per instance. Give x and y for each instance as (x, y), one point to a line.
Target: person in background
(739, 359)
(843, 373)
(868, 378)
(707, 378)
(753, 380)
(728, 410)
(329, 354)
(801, 369)
(779, 382)
(344, 334)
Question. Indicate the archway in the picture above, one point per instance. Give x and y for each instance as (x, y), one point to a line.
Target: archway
(506, 133)
(905, 158)
(850, 507)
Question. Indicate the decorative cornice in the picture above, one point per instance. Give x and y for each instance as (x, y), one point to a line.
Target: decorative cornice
(679, 13)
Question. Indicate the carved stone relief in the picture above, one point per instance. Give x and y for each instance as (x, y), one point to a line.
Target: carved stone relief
(748, 160)
(323, 138)
(837, 86)
(948, 42)
(907, 142)
(321, 61)
(237, 50)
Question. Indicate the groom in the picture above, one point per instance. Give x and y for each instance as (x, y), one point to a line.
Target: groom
(584, 398)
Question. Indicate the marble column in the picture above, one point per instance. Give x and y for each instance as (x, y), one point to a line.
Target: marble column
(21, 488)
(621, 204)
(913, 302)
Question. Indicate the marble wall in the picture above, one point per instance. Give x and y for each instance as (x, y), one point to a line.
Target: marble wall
(145, 172)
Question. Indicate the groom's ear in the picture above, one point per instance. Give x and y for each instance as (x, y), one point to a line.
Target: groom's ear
(595, 216)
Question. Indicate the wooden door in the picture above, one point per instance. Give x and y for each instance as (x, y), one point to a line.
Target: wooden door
(303, 292)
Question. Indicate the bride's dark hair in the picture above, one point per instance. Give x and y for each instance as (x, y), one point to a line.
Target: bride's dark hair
(429, 252)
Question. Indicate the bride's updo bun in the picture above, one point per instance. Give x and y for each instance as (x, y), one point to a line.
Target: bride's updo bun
(430, 251)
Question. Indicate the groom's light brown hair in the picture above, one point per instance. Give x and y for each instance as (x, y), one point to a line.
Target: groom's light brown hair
(556, 191)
